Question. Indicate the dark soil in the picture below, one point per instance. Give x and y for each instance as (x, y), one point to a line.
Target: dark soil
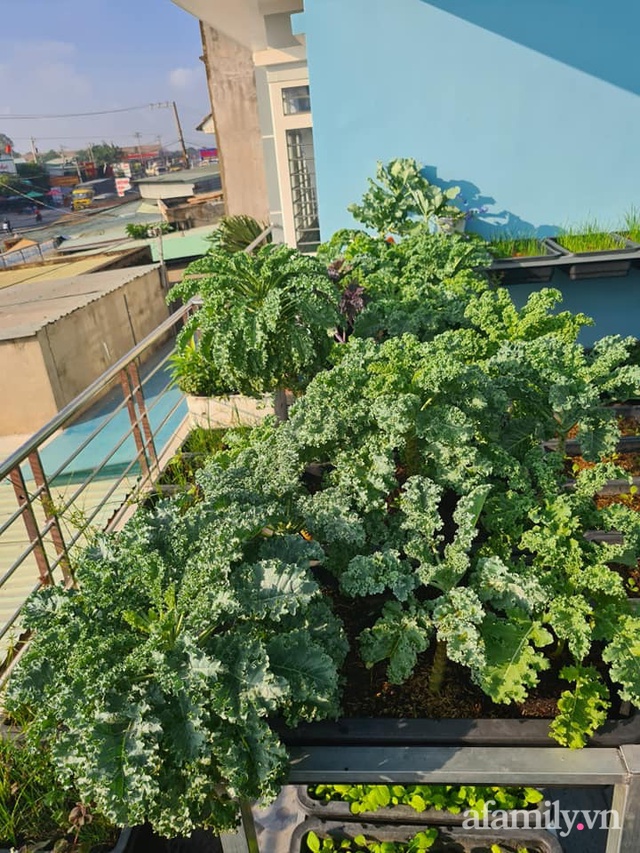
(629, 462)
(370, 694)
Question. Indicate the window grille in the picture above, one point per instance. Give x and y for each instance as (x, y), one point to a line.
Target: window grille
(302, 173)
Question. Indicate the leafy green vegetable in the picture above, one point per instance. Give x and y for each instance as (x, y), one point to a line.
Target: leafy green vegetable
(451, 798)
(265, 322)
(582, 710)
(153, 682)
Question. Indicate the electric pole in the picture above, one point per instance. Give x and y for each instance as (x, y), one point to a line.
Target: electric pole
(34, 150)
(187, 162)
(138, 136)
(90, 149)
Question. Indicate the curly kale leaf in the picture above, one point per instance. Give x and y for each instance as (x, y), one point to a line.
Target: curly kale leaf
(154, 681)
(368, 575)
(456, 618)
(571, 618)
(507, 589)
(623, 656)
(399, 636)
(581, 710)
(513, 662)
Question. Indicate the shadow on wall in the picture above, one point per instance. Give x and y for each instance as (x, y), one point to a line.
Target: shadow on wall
(599, 39)
(490, 224)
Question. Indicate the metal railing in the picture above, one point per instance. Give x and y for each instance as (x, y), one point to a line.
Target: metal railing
(86, 469)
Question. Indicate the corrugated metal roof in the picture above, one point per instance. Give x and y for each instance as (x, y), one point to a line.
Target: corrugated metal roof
(52, 272)
(176, 245)
(184, 176)
(26, 308)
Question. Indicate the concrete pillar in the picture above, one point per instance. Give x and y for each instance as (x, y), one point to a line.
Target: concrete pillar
(234, 102)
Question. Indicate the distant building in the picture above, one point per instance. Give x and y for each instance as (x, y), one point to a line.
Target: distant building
(7, 165)
(256, 68)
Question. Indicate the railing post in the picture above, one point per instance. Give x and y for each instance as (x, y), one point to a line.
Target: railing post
(138, 393)
(33, 532)
(133, 418)
(51, 516)
(623, 836)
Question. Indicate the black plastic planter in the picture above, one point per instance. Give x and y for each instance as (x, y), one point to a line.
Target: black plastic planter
(424, 732)
(142, 839)
(609, 263)
(530, 269)
(450, 839)
(337, 810)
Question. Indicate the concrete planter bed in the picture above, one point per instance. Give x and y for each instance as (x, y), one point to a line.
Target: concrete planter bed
(450, 839)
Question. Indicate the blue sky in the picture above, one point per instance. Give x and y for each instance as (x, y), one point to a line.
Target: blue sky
(72, 56)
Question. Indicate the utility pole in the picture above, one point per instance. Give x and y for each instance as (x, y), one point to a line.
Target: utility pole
(34, 150)
(187, 162)
(90, 149)
(138, 136)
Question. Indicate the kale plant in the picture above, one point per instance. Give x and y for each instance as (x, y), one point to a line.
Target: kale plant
(265, 323)
(152, 683)
(436, 492)
(400, 195)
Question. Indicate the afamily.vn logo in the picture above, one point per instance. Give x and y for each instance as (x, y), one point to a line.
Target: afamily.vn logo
(548, 815)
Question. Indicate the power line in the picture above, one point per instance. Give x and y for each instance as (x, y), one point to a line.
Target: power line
(77, 136)
(78, 115)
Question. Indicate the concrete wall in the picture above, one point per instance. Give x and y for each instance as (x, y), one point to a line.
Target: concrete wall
(531, 107)
(81, 346)
(232, 88)
(27, 400)
(43, 373)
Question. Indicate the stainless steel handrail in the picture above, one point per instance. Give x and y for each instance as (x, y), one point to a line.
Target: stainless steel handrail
(91, 392)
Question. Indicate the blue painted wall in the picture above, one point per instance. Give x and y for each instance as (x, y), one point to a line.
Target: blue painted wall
(612, 303)
(531, 106)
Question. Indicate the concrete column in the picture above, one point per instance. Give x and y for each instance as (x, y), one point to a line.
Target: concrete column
(234, 102)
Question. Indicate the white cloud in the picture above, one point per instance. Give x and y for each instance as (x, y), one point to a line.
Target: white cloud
(184, 78)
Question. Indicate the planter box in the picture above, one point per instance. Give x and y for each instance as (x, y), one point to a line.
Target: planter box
(609, 263)
(450, 840)
(454, 733)
(143, 840)
(337, 810)
(532, 268)
(122, 845)
(234, 410)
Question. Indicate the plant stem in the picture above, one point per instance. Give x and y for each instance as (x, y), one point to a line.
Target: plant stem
(438, 669)
(412, 456)
(281, 404)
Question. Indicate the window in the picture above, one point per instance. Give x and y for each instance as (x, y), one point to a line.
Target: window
(296, 99)
(302, 172)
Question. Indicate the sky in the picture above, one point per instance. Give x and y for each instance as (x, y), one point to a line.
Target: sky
(75, 56)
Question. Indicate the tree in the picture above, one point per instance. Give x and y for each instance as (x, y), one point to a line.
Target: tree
(51, 154)
(104, 154)
(33, 174)
(10, 183)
